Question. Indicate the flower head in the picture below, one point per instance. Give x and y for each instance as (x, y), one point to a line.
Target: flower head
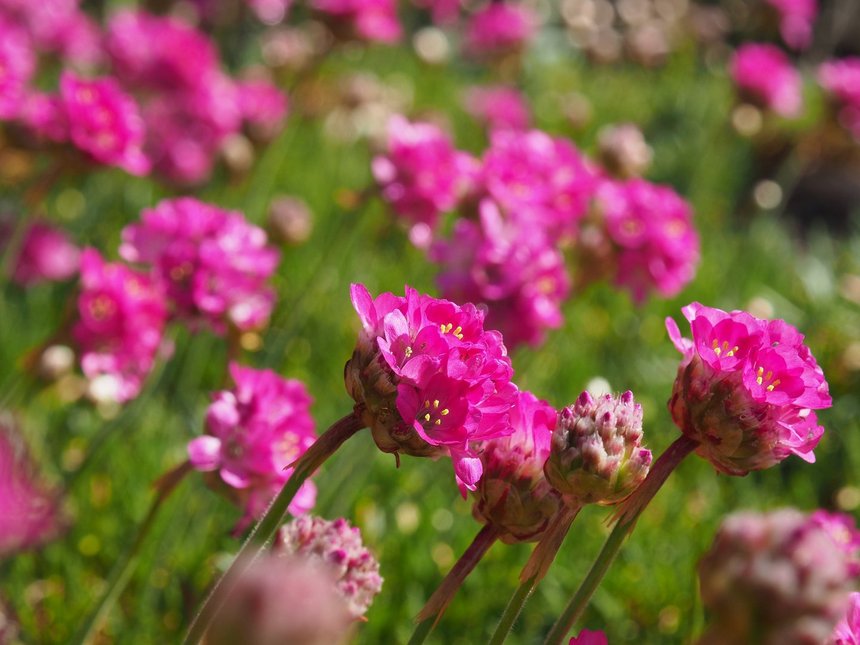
(500, 28)
(120, 326)
(764, 75)
(589, 637)
(779, 577)
(596, 455)
(499, 107)
(795, 20)
(841, 79)
(213, 264)
(336, 545)
(847, 631)
(746, 390)
(17, 66)
(374, 20)
(255, 432)
(429, 378)
(46, 255)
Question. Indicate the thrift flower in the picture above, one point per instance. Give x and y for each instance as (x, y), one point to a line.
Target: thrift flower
(374, 20)
(847, 630)
(255, 431)
(120, 326)
(263, 106)
(623, 151)
(589, 637)
(796, 18)
(46, 254)
(214, 265)
(778, 577)
(17, 66)
(746, 390)
(336, 545)
(500, 28)
(841, 79)
(764, 76)
(498, 107)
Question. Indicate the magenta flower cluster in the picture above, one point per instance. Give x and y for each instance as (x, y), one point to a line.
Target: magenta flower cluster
(796, 18)
(841, 80)
(765, 77)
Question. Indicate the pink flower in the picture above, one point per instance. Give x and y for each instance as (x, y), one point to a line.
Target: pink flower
(120, 326)
(841, 79)
(255, 431)
(500, 28)
(516, 272)
(795, 20)
(513, 495)
(655, 246)
(46, 255)
(499, 107)
(104, 122)
(271, 12)
(429, 378)
(45, 116)
(263, 106)
(374, 20)
(443, 12)
(764, 75)
(419, 174)
(29, 513)
(589, 637)
(746, 390)
(17, 66)
(214, 265)
(847, 631)
(337, 546)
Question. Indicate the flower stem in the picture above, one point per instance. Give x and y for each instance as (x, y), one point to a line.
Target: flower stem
(323, 448)
(124, 568)
(538, 564)
(432, 612)
(626, 517)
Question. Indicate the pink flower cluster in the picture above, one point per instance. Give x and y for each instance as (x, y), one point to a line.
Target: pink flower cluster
(120, 326)
(746, 390)
(796, 18)
(841, 79)
(765, 76)
(213, 265)
(847, 631)
(431, 362)
(46, 254)
(500, 28)
(374, 20)
(336, 545)
(499, 107)
(255, 431)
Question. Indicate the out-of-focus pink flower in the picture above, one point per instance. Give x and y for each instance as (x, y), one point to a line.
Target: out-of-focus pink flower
(29, 513)
(46, 254)
(500, 28)
(45, 116)
(56, 26)
(120, 326)
(213, 264)
(795, 20)
(264, 106)
(847, 631)
(655, 246)
(589, 637)
(515, 270)
(17, 65)
(778, 577)
(374, 20)
(255, 431)
(841, 79)
(513, 495)
(420, 174)
(499, 107)
(746, 390)
(443, 12)
(271, 12)
(429, 379)
(338, 546)
(765, 76)
(104, 122)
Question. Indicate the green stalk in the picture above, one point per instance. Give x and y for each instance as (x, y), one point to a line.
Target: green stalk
(125, 566)
(538, 564)
(626, 516)
(264, 531)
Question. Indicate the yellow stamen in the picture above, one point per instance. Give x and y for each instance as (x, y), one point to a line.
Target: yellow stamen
(427, 417)
(444, 412)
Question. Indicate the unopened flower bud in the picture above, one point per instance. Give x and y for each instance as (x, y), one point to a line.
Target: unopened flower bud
(780, 577)
(56, 361)
(290, 220)
(596, 455)
(623, 150)
(338, 546)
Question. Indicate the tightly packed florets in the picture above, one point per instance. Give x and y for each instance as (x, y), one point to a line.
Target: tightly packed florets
(746, 390)
(255, 432)
(214, 265)
(429, 378)
(780, 577)
(120, 326)
(513, 494)
(596, 455)
(337, 545)
(765, 77)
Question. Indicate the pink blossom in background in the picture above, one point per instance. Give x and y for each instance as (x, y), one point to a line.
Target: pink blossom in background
(746, 390)
(104, 122)
(499, 107)
(213, 264)
(29, 512)
(263, 106)
(514, 270)
(432, 362)
(271, 12)
(847, 631)
(796, 18)
(651, 229)
(589, 637)
(17, 66)
(764, 75)
(374, 20)
(121, 317)
(841, 79)
(443, 12)
(45, 116)
(420, 174)
(46, 255)
(255, 431)
(58, 27)
(500, 28)
(337, 546)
